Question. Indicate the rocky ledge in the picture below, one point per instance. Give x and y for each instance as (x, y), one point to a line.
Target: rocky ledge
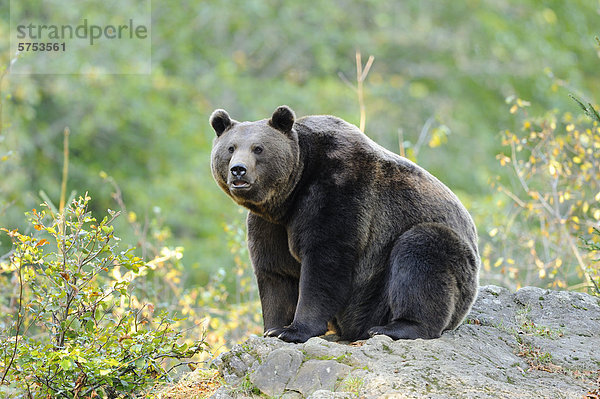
(534, 343)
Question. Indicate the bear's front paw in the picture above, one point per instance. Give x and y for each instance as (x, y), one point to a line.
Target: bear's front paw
(290, 334)
(273, 332)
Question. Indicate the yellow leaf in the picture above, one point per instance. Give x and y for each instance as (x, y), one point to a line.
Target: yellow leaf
(117, 274)
(513, 109)
(486, 265)
(585, 166)
(493, 232)
(435, 142)
(542, 273)
(552, 169)
(498, 262)
(131, 217)
(533, 135)
(549, 16)
(503, 159)
(585, 139)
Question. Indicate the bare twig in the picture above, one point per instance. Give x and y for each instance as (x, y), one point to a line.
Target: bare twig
(3, 74)
(361, 75)
(513, 196)
(65, 171)
(401, 142)
(182, 364)
(589, 280)
(18, 324)
(141, 232)
(423, 135)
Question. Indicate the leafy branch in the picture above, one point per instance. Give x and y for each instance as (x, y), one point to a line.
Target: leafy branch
(588, 109)
(85, 337)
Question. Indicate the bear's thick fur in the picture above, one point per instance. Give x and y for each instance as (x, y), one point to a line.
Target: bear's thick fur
(342, 231)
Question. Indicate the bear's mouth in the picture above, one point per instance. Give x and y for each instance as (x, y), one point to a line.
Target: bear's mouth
(239, 184)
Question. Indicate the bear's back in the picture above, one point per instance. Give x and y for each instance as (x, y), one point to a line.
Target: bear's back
(339, 155)
(329, 137)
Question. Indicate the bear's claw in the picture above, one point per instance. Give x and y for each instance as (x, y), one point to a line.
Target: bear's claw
(273, 332)
(288, 334)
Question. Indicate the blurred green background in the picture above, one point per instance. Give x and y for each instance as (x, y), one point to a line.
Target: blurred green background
(442, 69)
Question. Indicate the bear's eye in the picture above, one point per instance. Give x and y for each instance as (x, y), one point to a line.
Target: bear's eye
(230, 149)
(257, 150)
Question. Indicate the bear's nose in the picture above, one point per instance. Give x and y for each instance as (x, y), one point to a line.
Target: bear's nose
(238, 170)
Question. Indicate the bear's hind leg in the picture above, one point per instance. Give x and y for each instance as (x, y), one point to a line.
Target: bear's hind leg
(432, 283)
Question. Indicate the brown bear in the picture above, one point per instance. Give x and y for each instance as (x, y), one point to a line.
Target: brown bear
(344, 233)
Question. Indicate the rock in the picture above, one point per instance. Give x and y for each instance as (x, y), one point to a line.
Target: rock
(318, 347)
(317, 375)
(323, 394)
(532, 343)
(272, 377)
(221, 393)
(234, 364)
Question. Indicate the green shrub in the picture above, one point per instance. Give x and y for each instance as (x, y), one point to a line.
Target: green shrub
(554, 198)
(71, 327)
(592, 246)
(226, 306)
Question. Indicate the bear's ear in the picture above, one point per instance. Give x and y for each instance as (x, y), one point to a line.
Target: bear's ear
(220, 121)
(283, 119)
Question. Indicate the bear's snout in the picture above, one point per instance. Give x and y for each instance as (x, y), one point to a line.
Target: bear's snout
(239, 178)
(238, 170)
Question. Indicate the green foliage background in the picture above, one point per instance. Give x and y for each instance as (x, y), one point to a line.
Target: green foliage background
(452, 63)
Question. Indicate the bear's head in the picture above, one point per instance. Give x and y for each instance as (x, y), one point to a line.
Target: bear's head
(256, 163)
